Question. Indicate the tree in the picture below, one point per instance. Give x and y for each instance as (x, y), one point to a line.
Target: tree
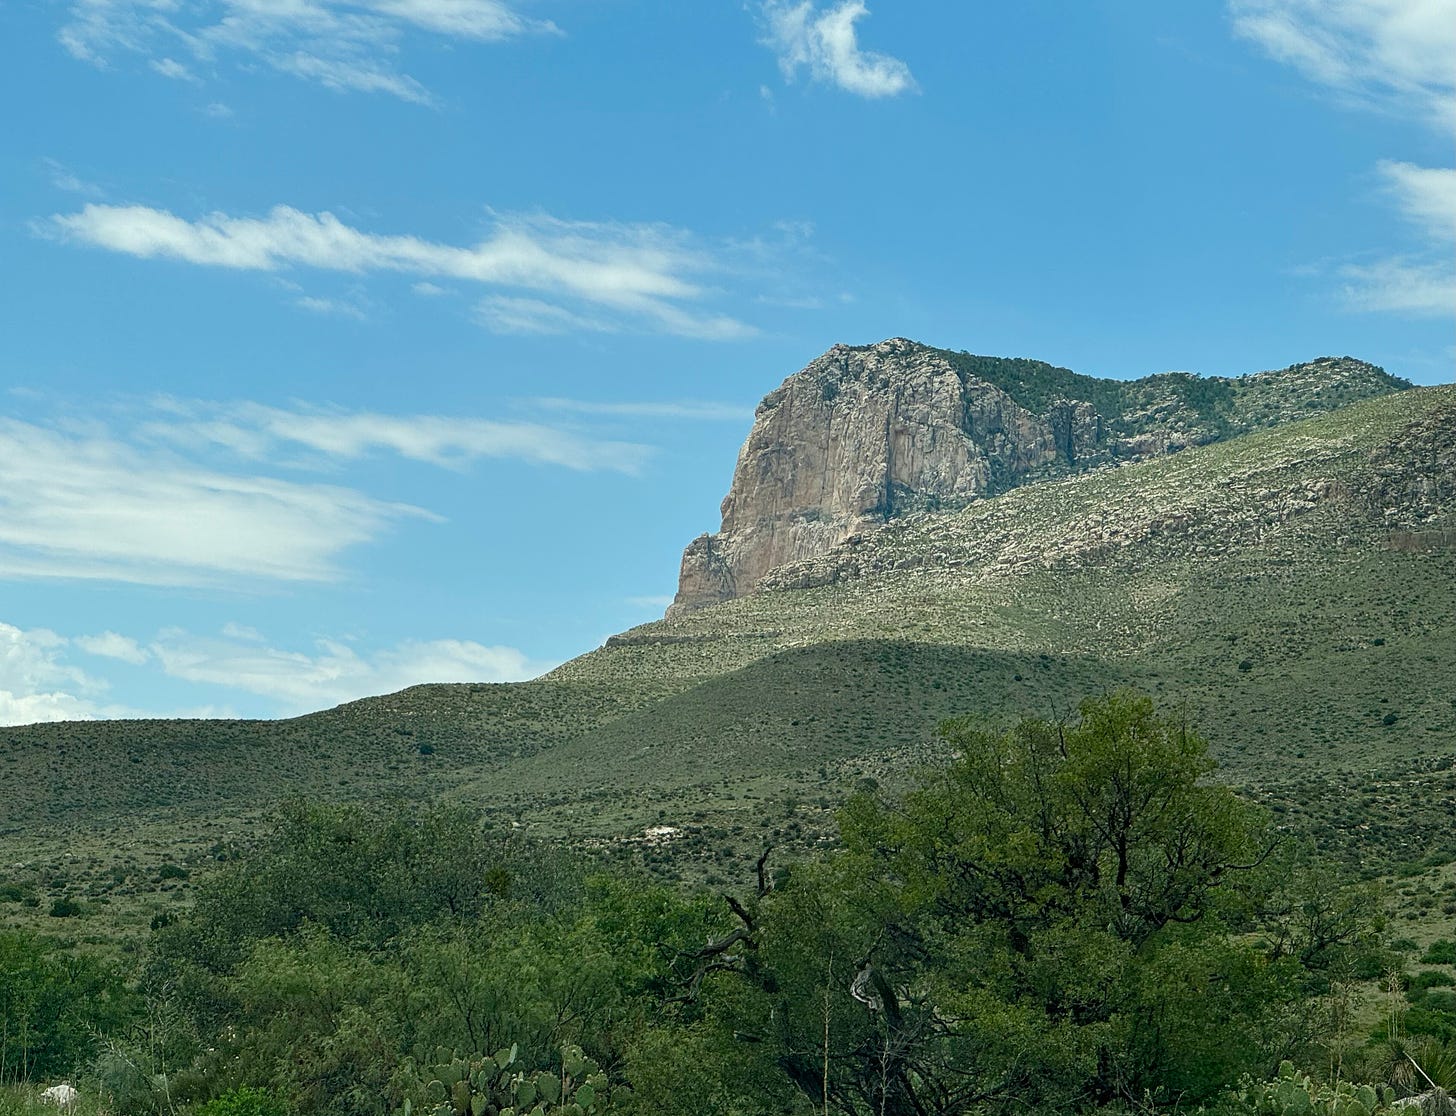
(1056, 918)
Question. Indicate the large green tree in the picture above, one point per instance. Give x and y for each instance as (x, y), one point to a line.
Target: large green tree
(1063, 916)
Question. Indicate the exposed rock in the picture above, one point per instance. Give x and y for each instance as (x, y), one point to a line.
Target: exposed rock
(867, 434)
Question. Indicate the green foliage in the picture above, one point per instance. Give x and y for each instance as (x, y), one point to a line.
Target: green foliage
(449, 1084)
(243, 1101)
(322, 993)
(1068, 916)
(65, 907)
(1440, 952)
(1295, 1094)
(361, 878)
(53, 1004)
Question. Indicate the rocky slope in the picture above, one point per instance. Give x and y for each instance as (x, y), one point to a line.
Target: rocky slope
(864, 435)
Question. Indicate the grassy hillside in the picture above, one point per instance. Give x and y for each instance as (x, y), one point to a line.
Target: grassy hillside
(1294, 589)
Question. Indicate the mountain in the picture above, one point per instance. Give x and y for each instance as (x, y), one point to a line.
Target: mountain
(1292, 588)
(867, 434)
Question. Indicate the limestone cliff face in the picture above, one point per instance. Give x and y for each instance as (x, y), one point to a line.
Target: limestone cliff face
(859, 436)
(868, 433)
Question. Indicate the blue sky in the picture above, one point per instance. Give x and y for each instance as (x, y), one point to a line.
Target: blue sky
(352, 345)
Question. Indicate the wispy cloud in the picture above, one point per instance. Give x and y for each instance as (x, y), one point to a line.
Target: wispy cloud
(332, 306)
(261, 433)
(110, 645)
(37, 683)
(655, 603)
(1425, 195)
(332, 671)
(191, 492)
(683, 409)
(1401, 284)
(1378, 52)
(618, 275)
(341, 45)
(87, 505)
(63, 178)
(171, 68)
(1423, 281)
(824, 41)
(1394, 55)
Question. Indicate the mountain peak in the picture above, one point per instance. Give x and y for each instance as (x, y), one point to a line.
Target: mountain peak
(866, 433)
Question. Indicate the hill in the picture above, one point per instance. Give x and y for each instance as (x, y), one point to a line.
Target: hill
(1291, 587)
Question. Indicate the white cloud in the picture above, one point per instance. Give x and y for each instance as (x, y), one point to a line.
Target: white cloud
(171, 68)
(336, 307)
(352, 76)
(110, 645)
(62, 178)
(1395, 52)
(825, 42)
(652, 602)
(468, 19)
(685, 409)
(180, 495)
(501, 314)
(87, 505)
(341, 45)
(257, 432)
(1422, 282)
(1397, 55)
(640, 273)
(35, 684)
(1425, 195)
(332, 671)
(1401, 285)
(233, 630)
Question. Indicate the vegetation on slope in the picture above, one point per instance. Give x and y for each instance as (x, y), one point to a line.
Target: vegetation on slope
(1289, 588)
(1071, 914)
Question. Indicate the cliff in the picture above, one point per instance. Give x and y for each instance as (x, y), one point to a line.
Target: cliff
(869, 433)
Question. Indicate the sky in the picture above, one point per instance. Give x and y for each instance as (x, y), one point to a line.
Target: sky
(351, 345)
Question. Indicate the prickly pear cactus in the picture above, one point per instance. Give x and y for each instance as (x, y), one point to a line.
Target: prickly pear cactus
(450, 1084)
(1296, 1094)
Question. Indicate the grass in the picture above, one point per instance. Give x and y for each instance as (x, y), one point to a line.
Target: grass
(24, 1100)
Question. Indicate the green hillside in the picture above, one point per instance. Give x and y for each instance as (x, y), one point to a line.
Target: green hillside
(1294, 589)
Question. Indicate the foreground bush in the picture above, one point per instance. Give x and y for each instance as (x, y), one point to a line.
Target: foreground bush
(53, 1005)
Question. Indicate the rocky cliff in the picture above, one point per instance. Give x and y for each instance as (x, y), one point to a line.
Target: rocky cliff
(868, 433)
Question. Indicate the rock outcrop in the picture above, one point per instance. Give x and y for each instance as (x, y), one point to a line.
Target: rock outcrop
(868, 433)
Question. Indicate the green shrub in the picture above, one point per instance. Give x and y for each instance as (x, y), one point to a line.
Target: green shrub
(244, 1102)
(65, 908)
(1440, 952)
(1430, 978)
(54, 1006)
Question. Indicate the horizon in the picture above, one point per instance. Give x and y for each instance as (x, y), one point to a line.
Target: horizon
(413, 344)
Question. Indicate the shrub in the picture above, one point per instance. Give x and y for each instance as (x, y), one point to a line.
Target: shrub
(244, 1102)
(54, 1006)
(1440, 952)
